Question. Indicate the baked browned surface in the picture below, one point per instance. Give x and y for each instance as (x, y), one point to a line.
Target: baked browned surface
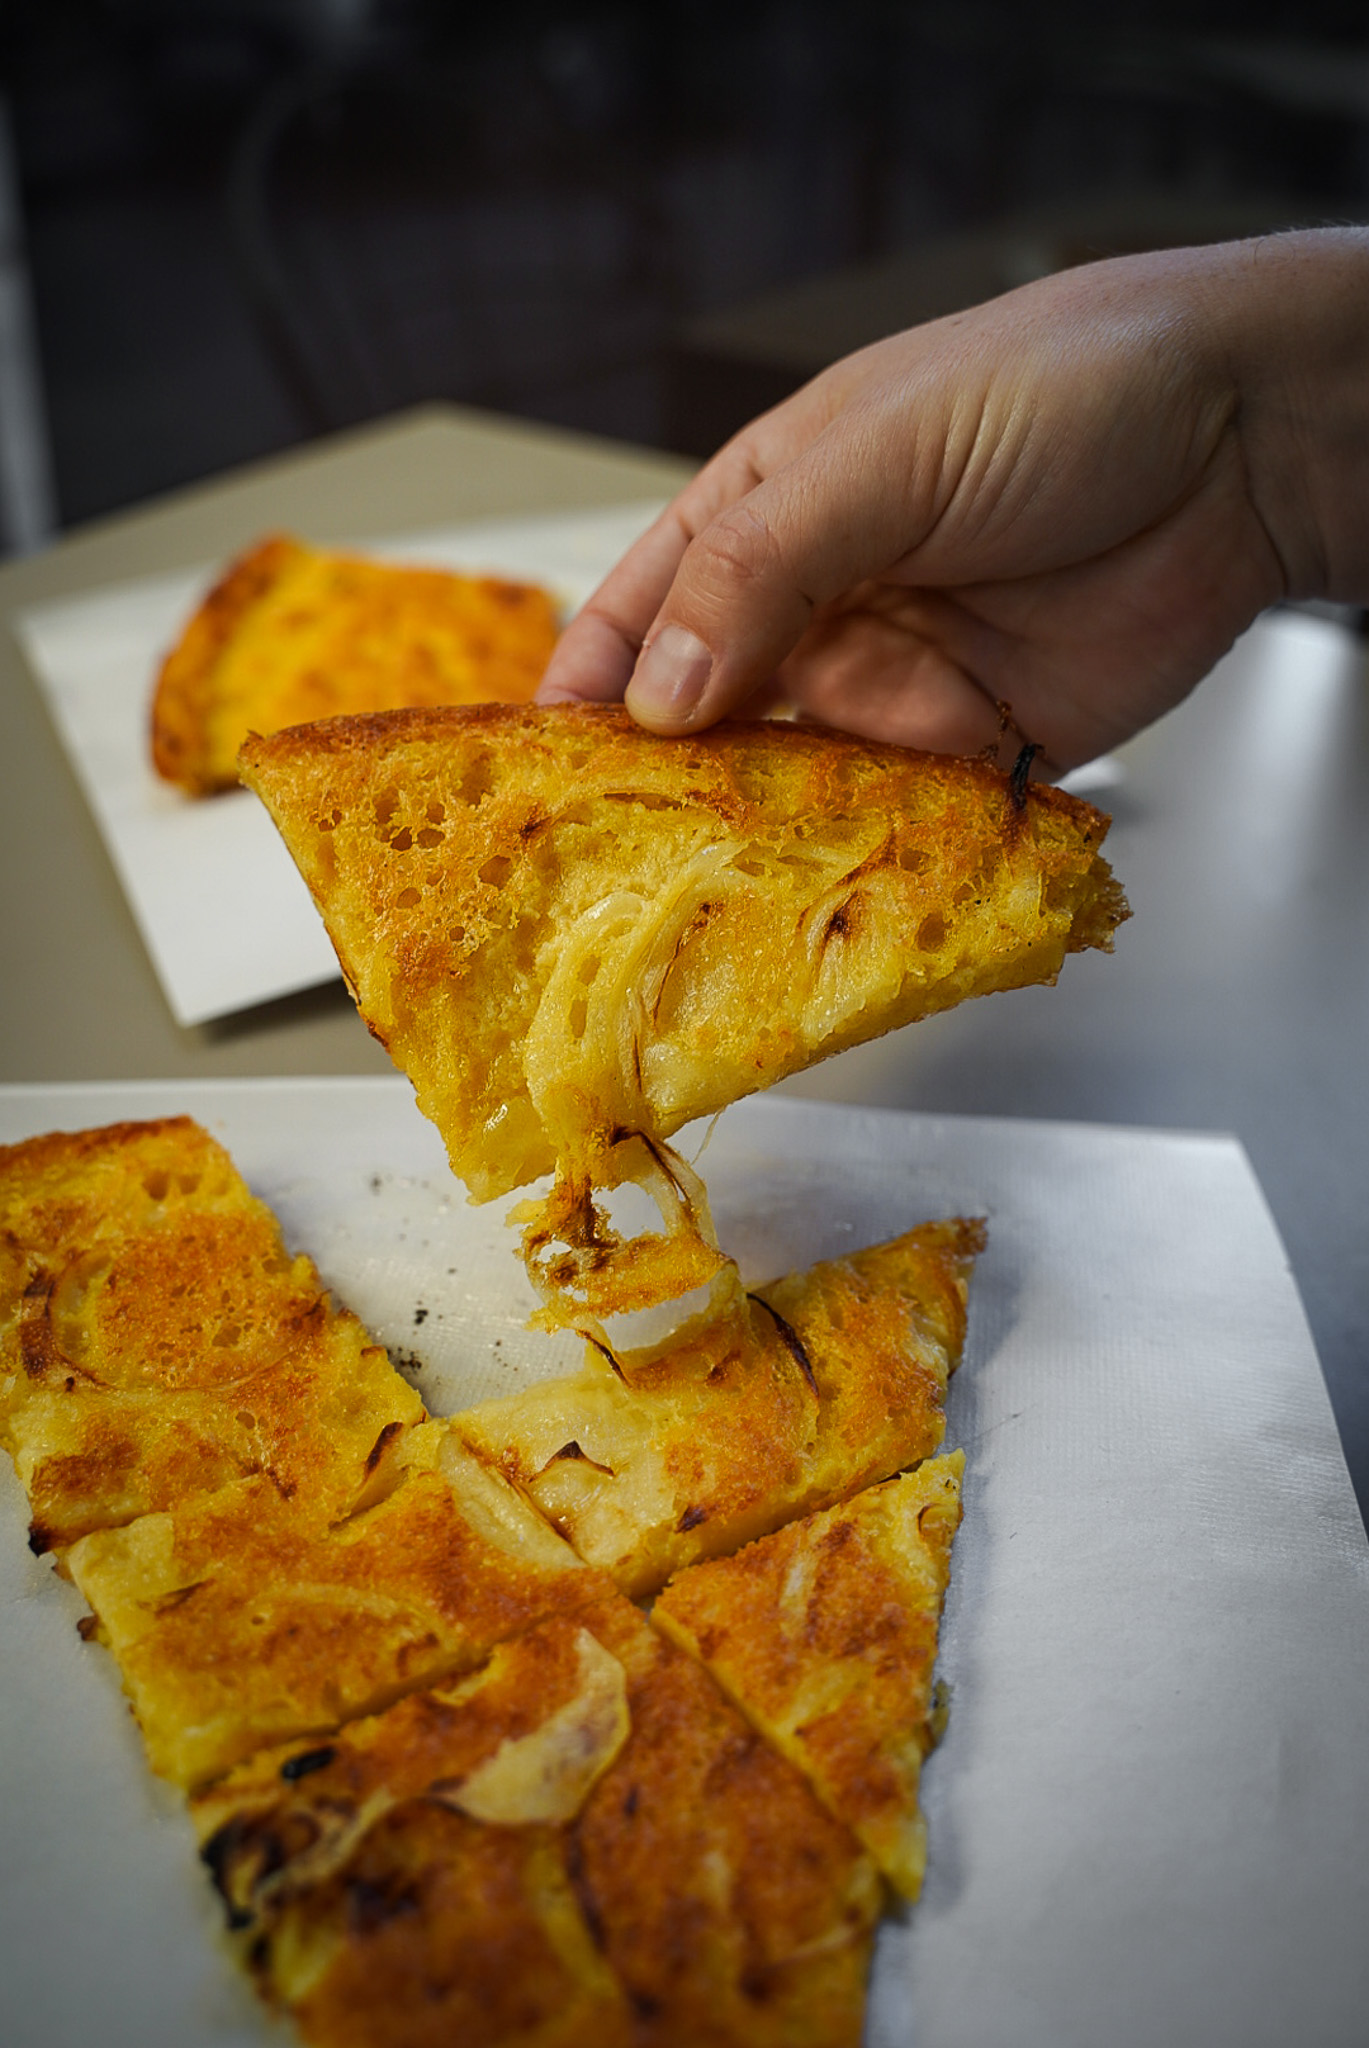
(406, 1882)
(290, 633)
(567, 930)
(451, 1783)
(158, 1341)
(825, 1634)
(829, 1380)
(519, 1742)
(736, 1912)
(437, 1931)
(239, 1621)
(183, 699)
(690, 1890)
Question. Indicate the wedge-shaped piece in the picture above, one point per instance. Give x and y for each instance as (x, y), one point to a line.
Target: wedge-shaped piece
(291, 633)
(732, 1906)
(437, 1930)
(833, 1378)
(825, 1635)
(406, 1882)
(520, 1742)
(241, 1621)
(157, 1341)
(567, 930)
(688, 1862)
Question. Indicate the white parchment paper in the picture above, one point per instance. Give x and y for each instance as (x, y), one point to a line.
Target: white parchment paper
(1149, 1817)
(222, 911)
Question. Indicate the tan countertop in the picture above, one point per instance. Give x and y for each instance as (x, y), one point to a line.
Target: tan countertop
(78, 997)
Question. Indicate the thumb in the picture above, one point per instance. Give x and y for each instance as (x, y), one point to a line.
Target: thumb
(750, 582)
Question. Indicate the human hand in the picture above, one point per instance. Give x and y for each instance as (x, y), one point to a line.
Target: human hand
(1068, 501)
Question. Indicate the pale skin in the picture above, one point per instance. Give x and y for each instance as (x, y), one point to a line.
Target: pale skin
(1069, 501)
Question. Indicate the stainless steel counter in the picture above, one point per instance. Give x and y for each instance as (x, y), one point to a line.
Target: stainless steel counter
(1238, 997)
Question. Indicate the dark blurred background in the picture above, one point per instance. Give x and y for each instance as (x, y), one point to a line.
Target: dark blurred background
(230, 225)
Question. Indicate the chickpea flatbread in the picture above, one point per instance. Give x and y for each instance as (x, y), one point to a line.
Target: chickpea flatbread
(576, 937)
(241, 1621)
(291, 633)
(450, 1782)
(826, 1381)
(734, 1909)
(825, 1634)
(406, 1882)
(157, 1341)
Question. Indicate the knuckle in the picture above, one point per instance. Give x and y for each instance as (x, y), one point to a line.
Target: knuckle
(736, 548)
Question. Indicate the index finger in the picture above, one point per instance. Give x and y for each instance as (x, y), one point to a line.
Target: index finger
(595, 656)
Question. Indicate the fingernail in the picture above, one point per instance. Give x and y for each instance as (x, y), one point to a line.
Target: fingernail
(670, 675)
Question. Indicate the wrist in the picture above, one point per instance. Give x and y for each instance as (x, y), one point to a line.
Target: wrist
(1290, 313)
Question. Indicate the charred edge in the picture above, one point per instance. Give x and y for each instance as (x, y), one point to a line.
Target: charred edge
(307, 1761)
(41, 1540)
(839, 925)
(757, 1983)
(792, 1340)
(87, 1628)
(605, 1352)
(623, 1134)
(1021, 769)
(690, 1519)
(218, 1854)
(573, 1453)
(372, 1906)
(584, 1891)
(382, 1444)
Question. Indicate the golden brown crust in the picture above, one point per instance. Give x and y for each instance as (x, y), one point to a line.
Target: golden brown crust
(291, 632)
(733, 1908)
(825, 1634)
(239, 1621)
(157, 1341)
(439, 1931)
(181, 750)
(834, 1380)
(289, 1817)
(450, 1782)
(696, 1875)
(565, 929)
